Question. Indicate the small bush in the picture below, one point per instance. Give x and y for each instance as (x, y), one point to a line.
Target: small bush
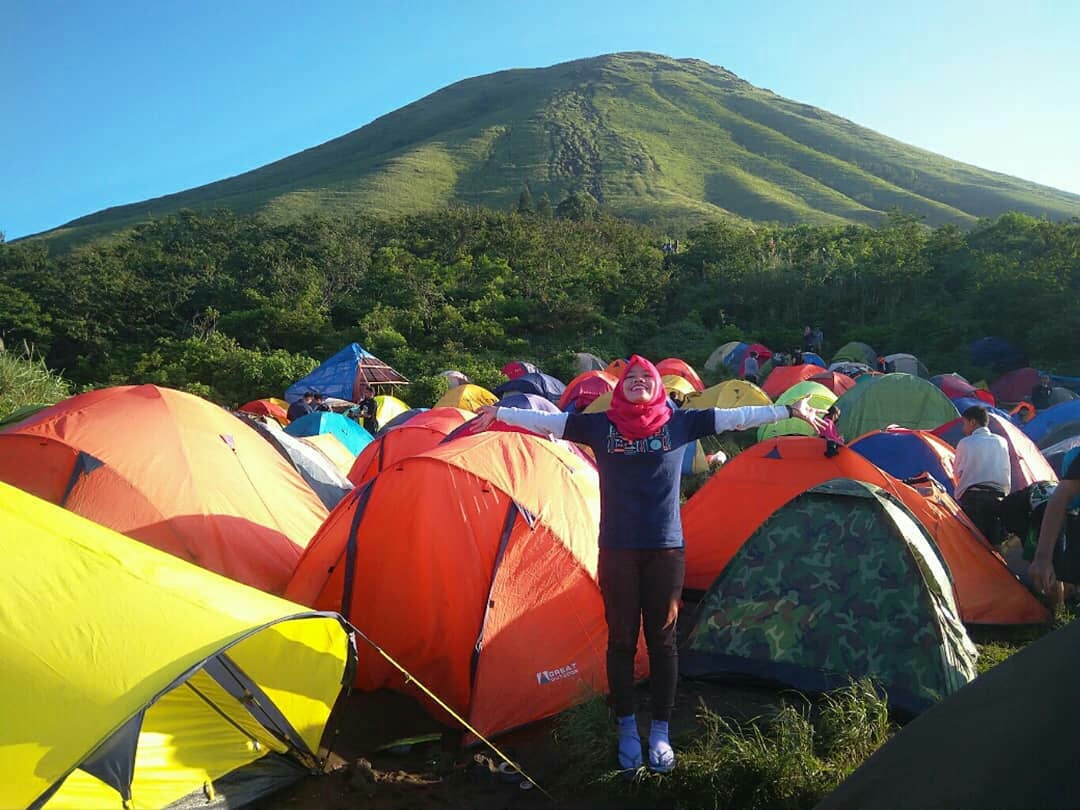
(586, 737)
(788, 761)
(25, 380)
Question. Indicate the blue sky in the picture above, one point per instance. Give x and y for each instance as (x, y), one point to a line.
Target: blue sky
(107, 103)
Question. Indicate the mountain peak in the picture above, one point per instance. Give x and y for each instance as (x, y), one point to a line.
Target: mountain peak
(653, 138)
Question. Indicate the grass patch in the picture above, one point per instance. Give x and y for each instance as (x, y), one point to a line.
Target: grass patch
(786, 761)
(996, 644)
(25, 381)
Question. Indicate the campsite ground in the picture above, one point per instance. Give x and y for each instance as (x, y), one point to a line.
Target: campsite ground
(428, 777)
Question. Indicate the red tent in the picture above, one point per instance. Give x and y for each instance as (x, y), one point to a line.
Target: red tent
(584, 388)
(954, 386)
(421, 432)
(474, 566)
(1015, 386)
(781, 378)
(680, 368)
(835, 381)
(518, 368)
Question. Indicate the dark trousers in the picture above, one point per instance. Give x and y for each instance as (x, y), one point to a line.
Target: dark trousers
(983, 505)
(636, 584)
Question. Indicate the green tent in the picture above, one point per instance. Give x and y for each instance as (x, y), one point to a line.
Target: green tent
(820, 397)
(841, 582)
(893, 399)
(20, 413)
(856, 352)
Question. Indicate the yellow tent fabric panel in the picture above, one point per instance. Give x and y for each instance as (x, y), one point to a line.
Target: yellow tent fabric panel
(94, 626)
(468, 397)
(701, 461)
(183, 745)
(728, 394)
(330, 446)
(678, 388)
(387, 407)
(600, 404)
(313, 657)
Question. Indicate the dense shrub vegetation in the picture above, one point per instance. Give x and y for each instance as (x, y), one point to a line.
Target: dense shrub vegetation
(236, 307)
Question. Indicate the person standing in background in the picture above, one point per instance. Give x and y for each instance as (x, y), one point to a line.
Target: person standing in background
(983, 473)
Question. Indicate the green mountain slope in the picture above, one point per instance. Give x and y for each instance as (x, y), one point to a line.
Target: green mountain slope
(652, 138)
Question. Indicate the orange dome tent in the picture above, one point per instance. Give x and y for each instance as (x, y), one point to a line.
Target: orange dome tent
(673, 365)
(266, 407)
(174, 471)
(486, 592)
(781, 378)
(720, 516)
(616, 367)
(421, 433)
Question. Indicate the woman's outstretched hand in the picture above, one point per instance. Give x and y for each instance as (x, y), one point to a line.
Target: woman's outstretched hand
(485, 415)
(802, 409)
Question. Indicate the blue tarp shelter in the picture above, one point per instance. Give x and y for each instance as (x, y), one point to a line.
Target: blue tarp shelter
(343, 374)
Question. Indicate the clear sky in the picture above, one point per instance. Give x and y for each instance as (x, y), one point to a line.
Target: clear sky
(111, 102)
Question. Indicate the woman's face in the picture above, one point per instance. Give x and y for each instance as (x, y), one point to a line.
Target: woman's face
(638, 385)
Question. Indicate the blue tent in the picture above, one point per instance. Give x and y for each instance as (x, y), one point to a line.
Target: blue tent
(996, 353)
(344, 429)
(904, 454)
(735, 357)
(812, 359)
(535, 382)
(963, 403)
(1054, 424)
(528, 402)
(342, 375)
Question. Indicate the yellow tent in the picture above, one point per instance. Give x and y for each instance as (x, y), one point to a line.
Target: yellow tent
(600, 404)
(467, 397)
(330, 446)
(678, 388)
(387, 407)
(728, 394)
(131, 679)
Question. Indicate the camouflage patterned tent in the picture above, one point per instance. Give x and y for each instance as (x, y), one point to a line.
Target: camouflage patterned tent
(841, 582)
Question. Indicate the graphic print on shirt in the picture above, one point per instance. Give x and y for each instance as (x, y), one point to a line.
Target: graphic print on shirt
(659, 442)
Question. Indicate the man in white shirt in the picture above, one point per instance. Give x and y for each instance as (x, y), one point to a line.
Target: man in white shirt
(983, 476)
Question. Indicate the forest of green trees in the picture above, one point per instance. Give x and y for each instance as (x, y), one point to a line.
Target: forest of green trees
(237, 307)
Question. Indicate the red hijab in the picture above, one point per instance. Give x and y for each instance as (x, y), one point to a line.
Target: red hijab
(636, 421)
